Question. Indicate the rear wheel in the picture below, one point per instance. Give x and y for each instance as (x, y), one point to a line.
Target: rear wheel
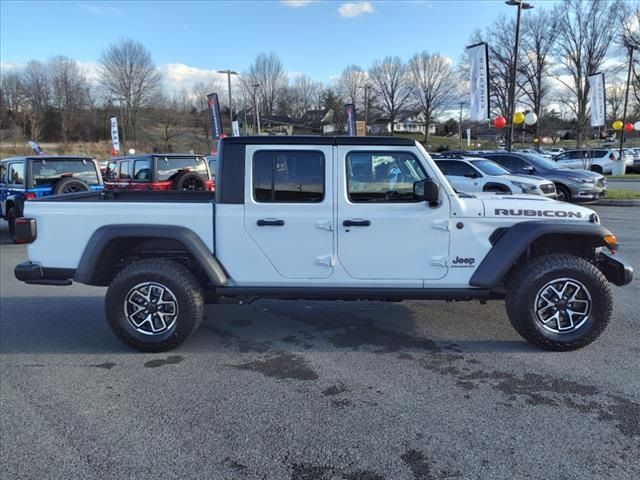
(596, 168)
(189, 181)
(70, 185)
(154, 305)
(559, 302)
(564, 194)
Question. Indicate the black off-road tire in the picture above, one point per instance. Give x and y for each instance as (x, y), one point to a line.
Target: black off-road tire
(564, 194)
(524, 285)
(189, 181)
(12, 214)
(178, 280)
(70, 185)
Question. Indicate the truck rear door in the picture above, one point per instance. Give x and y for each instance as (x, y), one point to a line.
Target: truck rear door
(289, 207)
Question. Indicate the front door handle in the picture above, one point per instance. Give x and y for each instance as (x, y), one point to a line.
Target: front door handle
(356, 223)
(270, 223)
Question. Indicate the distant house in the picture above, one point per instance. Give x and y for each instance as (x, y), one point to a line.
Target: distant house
(407, 123)
(271, 125)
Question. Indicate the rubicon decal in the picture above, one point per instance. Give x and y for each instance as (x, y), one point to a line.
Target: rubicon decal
(537, 213)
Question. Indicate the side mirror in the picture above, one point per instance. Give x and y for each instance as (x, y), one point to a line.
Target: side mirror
(528, 169)
(427, 191)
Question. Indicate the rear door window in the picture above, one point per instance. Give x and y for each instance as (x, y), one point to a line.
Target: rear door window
(47, 171)
(142, 170)
(455, 168)
(288, 176)
(169, 168)
(112, 171)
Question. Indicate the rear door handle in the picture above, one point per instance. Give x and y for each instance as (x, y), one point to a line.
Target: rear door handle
(356, 223)
(270, 223)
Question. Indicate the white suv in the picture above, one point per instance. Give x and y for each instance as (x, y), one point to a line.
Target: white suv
(468, 174)
(600, 160)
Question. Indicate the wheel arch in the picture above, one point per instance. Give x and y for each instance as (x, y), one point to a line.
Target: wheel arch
(532, 238)
(496, 185)
(112, 247)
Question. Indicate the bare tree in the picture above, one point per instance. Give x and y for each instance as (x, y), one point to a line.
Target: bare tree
(303, 95)
(268, 72)
(12, 99)
(69, 88)
(539, 34)
(37, 95)
(172, 114)
(431, 79)
(585, 31)
(129, 74)
(389, 83)
(615, 100)
(351, 84)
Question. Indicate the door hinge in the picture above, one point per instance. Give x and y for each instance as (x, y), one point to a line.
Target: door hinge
(325, 225)
(441, 224)
(439, 261)
(326, 260)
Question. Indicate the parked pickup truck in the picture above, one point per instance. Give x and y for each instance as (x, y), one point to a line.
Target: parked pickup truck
(352, 218)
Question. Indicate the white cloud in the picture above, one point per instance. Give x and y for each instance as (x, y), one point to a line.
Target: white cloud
(353, 9)
(178, 77)
(296, 3)
(96, 8)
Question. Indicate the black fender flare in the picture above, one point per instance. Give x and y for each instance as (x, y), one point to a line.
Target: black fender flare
(193, 243)
(516, 239)
(502, 186)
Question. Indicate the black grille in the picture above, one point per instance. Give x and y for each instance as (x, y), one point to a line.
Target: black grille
(548, 188)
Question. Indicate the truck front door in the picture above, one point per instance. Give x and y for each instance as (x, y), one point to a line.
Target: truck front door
(289, 208)
(383, 231)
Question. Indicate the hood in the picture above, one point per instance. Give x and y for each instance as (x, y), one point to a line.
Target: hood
(532, 207)
(523, 178)
(568, 172)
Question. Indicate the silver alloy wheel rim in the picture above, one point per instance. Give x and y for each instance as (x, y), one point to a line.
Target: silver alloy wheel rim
(562, 305)
(151, 308)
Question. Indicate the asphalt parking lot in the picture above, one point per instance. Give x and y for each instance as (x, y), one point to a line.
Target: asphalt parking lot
(313, 390)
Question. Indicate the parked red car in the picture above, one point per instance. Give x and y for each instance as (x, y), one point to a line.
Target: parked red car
(159, 171)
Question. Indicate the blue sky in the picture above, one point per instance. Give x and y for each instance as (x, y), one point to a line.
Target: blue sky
(316, 38)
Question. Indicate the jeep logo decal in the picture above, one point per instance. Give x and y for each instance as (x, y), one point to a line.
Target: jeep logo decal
(463, 262)
(537, 213)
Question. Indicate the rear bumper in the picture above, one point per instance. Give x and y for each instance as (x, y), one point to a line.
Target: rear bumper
(36, 274)
(617, 270)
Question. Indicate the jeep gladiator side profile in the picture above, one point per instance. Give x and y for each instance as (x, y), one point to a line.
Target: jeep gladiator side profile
(369, 218)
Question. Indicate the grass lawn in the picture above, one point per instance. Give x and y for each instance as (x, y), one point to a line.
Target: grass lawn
(622, 194)
(630, 176)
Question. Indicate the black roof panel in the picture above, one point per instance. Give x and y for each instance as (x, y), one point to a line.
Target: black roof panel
(318, 140)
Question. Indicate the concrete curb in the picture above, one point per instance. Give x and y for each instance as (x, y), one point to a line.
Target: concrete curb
(612, 202)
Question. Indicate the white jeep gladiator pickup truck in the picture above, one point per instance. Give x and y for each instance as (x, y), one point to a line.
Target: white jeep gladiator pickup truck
(368, 218)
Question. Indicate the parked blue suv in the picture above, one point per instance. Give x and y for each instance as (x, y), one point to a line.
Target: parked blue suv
(26, 178)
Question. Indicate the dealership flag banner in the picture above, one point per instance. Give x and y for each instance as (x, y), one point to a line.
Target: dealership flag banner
(350, 112)
(35, 147)
(214, 112)
(597, 100)
(479, 82)
(115, 139)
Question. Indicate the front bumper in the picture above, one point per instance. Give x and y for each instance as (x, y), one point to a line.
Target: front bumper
(617, 270)
(35, 274)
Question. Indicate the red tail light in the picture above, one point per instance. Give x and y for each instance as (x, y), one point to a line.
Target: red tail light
(29, 196)
(26, 231)
(210, 186)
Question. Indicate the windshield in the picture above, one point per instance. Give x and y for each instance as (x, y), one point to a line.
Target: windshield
(489, 167)
(47, 172)
(541, 162)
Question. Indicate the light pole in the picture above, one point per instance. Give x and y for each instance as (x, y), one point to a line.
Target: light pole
(229, 73)
(255, 105)
(521, 5)
(626, 99)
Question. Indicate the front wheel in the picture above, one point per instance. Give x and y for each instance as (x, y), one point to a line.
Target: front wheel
(154, 305)
(12, 214)
(564, 194)
(559, 302)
